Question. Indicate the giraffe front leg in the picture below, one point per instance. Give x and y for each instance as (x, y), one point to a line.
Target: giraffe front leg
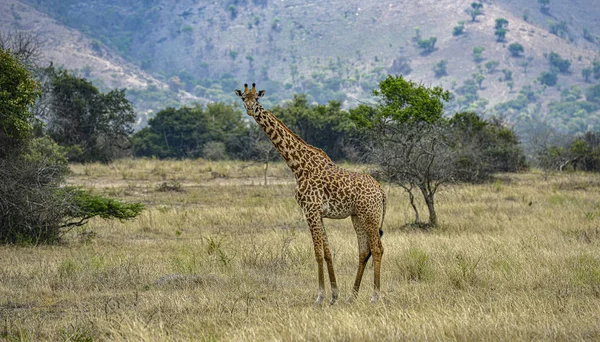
(314, 223)
(329, 261)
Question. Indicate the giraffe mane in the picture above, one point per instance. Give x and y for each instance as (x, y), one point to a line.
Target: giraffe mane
(316, 149)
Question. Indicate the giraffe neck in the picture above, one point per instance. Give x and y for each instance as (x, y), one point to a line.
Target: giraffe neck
(295, 151)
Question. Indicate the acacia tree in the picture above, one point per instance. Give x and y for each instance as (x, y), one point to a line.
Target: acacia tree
(23, 46)
(409, 139)
(475, 10)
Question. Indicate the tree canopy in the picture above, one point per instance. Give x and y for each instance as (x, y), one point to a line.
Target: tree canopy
(325, 126)
(92, 125)
(18, 91)
(183, 132)
(416, 147)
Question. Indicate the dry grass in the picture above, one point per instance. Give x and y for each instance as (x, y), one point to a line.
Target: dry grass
(226, 258)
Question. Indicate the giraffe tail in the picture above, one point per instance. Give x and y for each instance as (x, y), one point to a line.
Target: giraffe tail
(382, 213)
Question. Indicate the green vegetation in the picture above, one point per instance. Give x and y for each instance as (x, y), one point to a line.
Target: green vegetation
(560, 29)
(557, 63)
(90, 125)
(516, 49)
(500, 34)
(325, 126)
(586, 73)
(439, 69)
(219, 131)
(35, 206)
(427, 45)
(18, 91)
(478, 54)
(548, 78)
(491, 66)
(475, 10)
(501, 23)
(416, 147)
(459, 29)
(581, 153)
(497, 147)
(544, 6)
(467, 97)
(183, 132)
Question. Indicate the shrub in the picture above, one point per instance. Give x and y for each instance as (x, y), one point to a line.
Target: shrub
(516, 49)
(35, 207)
(500, 34)
(427, 45)
(214, 150)
(592, 93)
(459, 29)
(440, 68)
(548, 78)
(558, 63)
(477, 53)
(415, 265)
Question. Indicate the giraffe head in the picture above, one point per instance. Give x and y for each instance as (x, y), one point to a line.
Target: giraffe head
(250, 97)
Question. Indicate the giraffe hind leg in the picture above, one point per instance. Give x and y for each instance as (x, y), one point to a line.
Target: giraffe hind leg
(377, 251)
(364, 253)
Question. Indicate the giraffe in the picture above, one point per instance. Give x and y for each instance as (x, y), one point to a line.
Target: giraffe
(324, 190)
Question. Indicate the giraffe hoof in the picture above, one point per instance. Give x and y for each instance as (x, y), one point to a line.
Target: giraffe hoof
(375, 298)
(334, 296)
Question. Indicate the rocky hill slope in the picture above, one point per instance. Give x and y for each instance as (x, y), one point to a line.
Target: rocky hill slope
(330, 49)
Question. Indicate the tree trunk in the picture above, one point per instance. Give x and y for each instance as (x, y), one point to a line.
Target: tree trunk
(429, 200)
(411, 197)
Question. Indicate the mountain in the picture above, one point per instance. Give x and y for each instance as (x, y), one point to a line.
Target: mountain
(333, 50)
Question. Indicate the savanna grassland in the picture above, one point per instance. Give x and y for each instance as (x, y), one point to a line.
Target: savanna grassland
(217, 255)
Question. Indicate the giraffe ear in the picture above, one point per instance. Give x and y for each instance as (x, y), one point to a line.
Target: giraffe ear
(261, 93)
(238, 92)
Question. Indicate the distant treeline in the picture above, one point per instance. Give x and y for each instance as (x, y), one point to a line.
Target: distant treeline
(94, 126)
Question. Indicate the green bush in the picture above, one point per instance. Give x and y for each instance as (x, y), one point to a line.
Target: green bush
(18, 91)
(35, 206)
(516, 49)
(183, 132)
(548, 78)
(558, 63)
(427, 45)
(485, 147)
(459, 29)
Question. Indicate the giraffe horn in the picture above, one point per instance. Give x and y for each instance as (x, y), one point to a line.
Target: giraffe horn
(245, 87)
(253, 86)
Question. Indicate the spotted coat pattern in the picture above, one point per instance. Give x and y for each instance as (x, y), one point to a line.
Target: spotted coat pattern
(324, 190)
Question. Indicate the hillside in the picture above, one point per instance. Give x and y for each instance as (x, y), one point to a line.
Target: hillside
(69, 48)
(335, 49)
